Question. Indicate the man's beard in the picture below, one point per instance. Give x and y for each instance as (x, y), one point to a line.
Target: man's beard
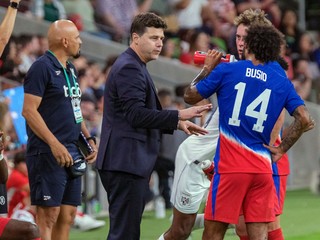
(77, 55)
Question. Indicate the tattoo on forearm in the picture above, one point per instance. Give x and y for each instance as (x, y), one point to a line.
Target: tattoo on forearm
(202, 74)
(295, 131)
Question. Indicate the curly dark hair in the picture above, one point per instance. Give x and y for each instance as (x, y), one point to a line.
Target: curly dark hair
(144, 20)
(264, 42)
(283, 63)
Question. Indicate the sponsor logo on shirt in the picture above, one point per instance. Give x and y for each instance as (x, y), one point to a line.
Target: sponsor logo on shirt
(76, 91)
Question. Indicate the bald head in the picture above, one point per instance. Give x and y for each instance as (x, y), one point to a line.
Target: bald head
(64, 39)
(59, 30)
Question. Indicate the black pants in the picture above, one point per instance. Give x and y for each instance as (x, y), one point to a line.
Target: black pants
(163, 167)
(126, 195)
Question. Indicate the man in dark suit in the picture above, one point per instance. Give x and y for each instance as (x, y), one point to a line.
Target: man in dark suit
(133, 122)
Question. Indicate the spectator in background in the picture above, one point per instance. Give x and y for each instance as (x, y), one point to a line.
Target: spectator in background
(191, 16)
(43, 44)
(198, 41)
(86, 81)
(49, 10)
(96, 72)
(114, 17)
(80, 63)
(88, 108)
(271, 7)
(302, 78)
(28, 48)
(289, 27)
(10, 60)
(225, 12)
(306, 50)
(82, 11)
(24, 6)
(169, 48)
(316, 53)
(286, 57)
(101, 79)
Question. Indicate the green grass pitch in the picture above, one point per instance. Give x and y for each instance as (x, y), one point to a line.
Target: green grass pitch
(300, 221)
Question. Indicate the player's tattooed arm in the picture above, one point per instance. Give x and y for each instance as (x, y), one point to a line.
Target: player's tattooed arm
(191, 95)
(201, 75)
(303, 122)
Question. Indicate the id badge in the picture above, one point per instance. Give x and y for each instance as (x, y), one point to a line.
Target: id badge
(75, 102)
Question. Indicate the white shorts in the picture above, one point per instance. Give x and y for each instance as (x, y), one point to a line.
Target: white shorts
(190, 184)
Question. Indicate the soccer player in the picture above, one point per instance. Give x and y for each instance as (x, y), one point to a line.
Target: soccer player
(245, 90)
(190, 184)
(185, 217)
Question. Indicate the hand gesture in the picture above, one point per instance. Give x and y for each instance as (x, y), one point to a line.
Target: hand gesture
(192, 112)
(191, 128)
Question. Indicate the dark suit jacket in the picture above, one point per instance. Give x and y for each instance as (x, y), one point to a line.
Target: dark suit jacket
(133, 119)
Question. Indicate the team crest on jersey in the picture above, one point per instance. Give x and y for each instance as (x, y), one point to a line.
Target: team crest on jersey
(185, 200)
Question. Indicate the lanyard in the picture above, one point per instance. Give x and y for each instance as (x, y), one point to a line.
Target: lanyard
(66, 75)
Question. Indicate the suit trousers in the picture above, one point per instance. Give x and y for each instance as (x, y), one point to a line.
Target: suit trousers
(127, 197)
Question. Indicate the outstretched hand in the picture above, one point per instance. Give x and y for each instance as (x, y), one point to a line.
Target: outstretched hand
(191, 128)
(192, 112)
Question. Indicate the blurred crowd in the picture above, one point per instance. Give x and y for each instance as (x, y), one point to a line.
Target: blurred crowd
(193, 25)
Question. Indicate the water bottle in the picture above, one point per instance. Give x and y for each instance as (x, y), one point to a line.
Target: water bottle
(160, 207)
(207, 167)
(199, 57)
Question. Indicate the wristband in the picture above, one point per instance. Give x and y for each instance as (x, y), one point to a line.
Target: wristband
(1, 157)
(14, 5)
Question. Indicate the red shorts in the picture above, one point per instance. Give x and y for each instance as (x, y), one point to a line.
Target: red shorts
(280, 183)
(233, 192)
(3, 224)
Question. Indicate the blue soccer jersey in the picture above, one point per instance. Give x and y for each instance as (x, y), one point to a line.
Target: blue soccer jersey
(250, 100)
